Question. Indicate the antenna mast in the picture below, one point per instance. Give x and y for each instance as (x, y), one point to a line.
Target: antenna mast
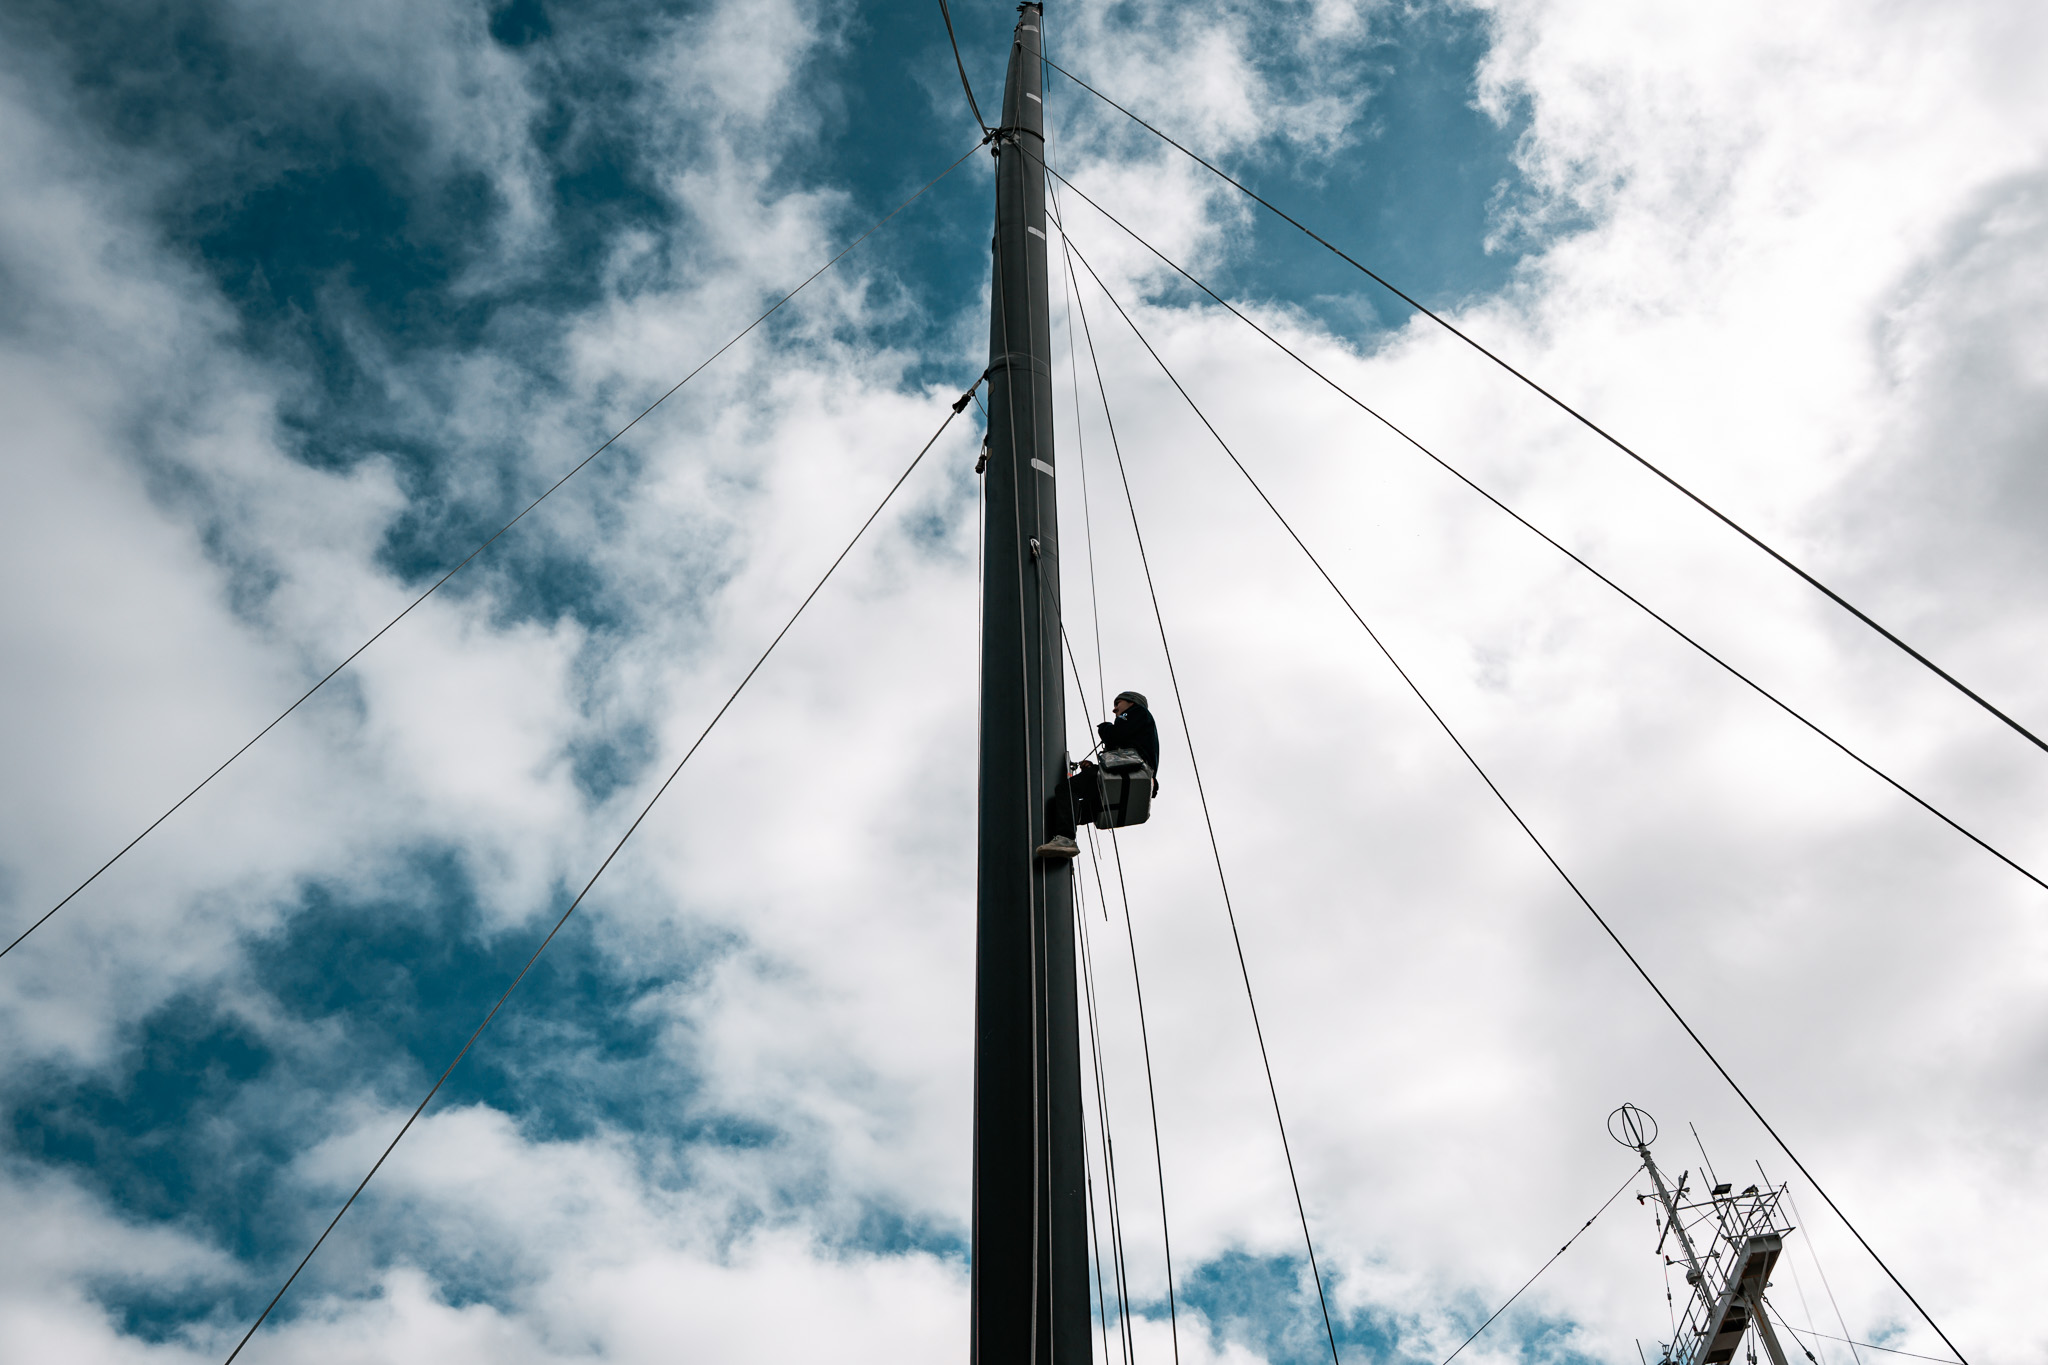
(1743, 1241)
(1030, 1252)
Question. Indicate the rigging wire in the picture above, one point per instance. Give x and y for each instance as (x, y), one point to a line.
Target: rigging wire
(1087, 1173)
(1670, 1306)
(1813, 1250)
(1516, 815)
(1889, 1350)
(1630, 597)
(1116, 1248)
(1123, 889)
(1095, 1244)
(1121, 1259)
(1805, 1308)
(947, 15)
(464, 562)
(1101, 1304)
(1095, 857)
(1541, 1268)
(1123, 892)
(580, 895)
(1574, 413)
(1080, 441)
(1706, 1160)
(1125, 1338)
(1215, 850)
(1124, 1333)
(1094, 844)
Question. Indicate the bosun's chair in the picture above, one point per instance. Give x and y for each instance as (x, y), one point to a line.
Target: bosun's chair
(1116, 793)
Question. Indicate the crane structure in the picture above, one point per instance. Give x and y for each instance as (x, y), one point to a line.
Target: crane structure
(1728, 1243)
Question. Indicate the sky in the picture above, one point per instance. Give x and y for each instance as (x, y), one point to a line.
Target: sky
(299, 304)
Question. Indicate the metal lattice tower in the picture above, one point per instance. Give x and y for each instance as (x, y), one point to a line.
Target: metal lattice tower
(1728, 1243)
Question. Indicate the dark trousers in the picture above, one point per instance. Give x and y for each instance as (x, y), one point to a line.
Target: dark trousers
(1065, 804)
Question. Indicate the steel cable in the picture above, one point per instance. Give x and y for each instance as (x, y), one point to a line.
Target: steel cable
(464, 562)
(1825, 1336)
(1575, 414)
(1541, 847)
(1230, 912)
(1541, 1268)
(1549, 540)
(1124, 1334)
(1116, 1245)
(1813, 1251)
(947, 15)
(1087, 1173)
(1123, 892)
(1131, 934)
(1102, 692)
(644, 811)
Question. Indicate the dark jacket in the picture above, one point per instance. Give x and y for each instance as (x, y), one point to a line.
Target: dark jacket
(1134, 729)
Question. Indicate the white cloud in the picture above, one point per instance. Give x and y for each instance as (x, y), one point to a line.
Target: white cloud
(1809, 286)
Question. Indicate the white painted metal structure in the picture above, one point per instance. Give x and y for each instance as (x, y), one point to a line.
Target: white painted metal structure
(1742, 1235)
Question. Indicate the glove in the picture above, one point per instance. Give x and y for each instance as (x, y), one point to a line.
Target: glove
(1106, 729)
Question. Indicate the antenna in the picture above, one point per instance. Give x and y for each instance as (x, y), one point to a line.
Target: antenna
(1705, 1160)
(1742, 1236)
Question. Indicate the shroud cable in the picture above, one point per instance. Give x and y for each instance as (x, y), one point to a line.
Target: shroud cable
(1215, 850)
(435, 586)
(1580, 417)
(1637, 602)
(644, 811)
(1541, 847)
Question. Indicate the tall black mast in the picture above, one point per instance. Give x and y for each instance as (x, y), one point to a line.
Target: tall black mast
(1030, 1258)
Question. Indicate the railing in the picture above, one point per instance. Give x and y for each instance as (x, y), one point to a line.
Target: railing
(1725, 1228)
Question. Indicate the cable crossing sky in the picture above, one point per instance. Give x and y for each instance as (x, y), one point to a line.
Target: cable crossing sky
(1024, 503)
(1208, 823)
(1567, 408)
(1561, 548)
(462, 563)
(1516, 815)
(645, 810)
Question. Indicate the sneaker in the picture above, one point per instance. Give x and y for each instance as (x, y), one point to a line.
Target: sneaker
(1059, 846)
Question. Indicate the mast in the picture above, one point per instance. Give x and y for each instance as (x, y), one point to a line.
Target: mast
(1030, 1250)
(1729, 1280)
(1636, 1130)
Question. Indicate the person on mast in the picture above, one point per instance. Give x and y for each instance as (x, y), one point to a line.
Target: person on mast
(1117, 793)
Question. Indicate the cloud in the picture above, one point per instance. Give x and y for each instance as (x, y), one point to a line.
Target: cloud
(312, 303)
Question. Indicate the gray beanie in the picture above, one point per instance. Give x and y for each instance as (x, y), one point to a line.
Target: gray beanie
(1134, 698)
